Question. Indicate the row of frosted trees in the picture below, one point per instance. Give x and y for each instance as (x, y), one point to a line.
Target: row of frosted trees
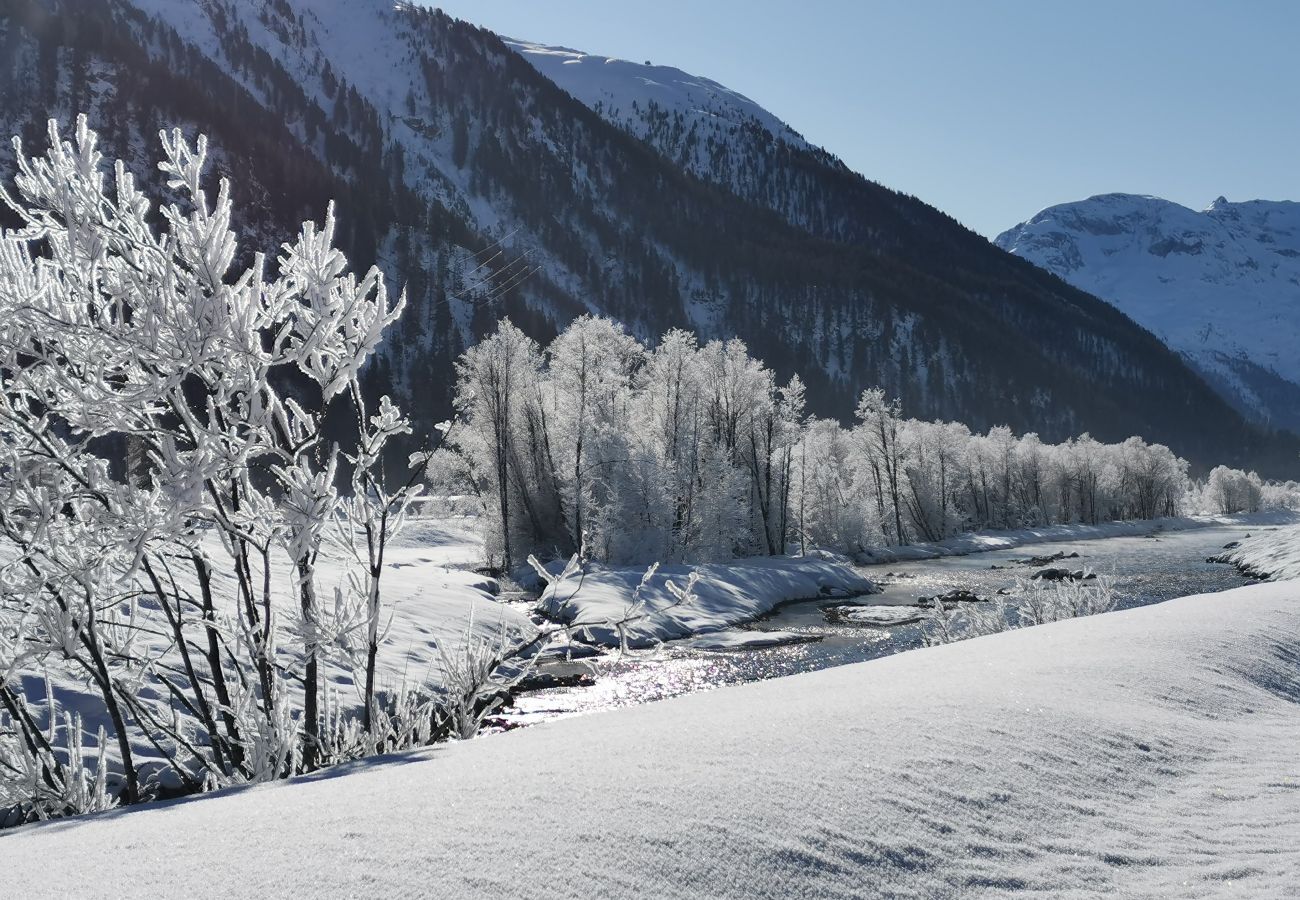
(602, 446)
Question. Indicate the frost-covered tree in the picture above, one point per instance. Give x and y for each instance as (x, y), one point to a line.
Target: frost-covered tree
(936, 460)
(1232, 490)
(507, 444)
(591, 367)
(879, 435)
(129, 329)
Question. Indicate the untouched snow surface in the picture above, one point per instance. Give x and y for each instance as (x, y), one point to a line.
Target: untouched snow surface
(1271, 554)
(724, 595)
(1144, 753)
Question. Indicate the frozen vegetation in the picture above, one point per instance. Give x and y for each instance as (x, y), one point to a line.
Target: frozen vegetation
(629, 607)
(198, 574)
(693, 453)
(1144, 753)
(1273, 553)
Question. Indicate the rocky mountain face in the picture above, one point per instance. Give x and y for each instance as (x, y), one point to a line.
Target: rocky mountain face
(486, 188)
(1220, 285)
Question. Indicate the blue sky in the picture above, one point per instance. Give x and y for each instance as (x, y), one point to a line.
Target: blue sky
(989, 110)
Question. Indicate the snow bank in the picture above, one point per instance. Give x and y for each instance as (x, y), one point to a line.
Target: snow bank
(724, 595)
(983, 541)
(1271, 554)
(1143, 753)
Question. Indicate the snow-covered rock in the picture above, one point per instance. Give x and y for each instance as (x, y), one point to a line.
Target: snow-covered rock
(1145, 753)
(880, 616)
(1220, 285)
(734, 639)
(604, 604)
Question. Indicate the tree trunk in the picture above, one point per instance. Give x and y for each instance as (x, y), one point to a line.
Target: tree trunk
(311, 676)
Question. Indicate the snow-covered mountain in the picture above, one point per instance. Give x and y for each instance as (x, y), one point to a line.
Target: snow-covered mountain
(489, 189)
(703, 118)
(1220, 285)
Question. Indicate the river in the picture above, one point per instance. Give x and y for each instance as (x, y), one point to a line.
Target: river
(1145, 569)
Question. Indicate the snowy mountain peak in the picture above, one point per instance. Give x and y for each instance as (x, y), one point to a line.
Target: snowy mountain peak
(1221, 285)
(627, 92)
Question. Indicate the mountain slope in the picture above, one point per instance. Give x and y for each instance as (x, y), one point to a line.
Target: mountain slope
(488, 190)
(1221, 285)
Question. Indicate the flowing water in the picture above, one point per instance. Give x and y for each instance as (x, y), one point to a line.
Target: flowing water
(1145, 570)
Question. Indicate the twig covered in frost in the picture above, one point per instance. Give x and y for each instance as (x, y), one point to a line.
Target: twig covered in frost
(122, 326)
(1034, 602)
(640, 607)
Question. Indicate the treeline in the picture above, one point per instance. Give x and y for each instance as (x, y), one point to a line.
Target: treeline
(623, 453)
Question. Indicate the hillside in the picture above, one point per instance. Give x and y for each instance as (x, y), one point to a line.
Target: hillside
(1220, 285)
(487, 190)
(1142, 753)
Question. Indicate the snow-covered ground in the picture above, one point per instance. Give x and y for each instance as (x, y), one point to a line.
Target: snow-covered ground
(984, 541)
(1274, 553)
(1144, 753)
(432, 599)
(595, 602)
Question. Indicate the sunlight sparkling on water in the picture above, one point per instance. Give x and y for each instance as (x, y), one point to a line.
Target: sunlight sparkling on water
(1146, 570)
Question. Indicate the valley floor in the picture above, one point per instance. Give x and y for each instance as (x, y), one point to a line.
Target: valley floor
(1148, 752)
(984, 541)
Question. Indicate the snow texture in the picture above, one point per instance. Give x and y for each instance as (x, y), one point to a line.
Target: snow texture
(723, 595)
(1271, 554)
(1144, 753)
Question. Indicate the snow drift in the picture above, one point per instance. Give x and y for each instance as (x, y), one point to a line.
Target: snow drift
(1271, 554)
(604, 603)
(1149, 752)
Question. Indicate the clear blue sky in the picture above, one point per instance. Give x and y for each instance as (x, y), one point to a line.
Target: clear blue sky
(989, 110)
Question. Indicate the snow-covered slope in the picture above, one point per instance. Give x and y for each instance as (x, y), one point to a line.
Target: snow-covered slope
(644, 98)
(1221, 285)
(1273, 553)
(1146, 753)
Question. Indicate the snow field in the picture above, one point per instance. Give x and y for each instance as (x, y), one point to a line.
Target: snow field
(1144, 753)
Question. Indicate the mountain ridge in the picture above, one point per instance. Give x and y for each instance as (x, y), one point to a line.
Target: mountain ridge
(487, 189)
(1220, 285)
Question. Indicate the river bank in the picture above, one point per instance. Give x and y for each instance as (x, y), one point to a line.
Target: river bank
(1149, 752)
(1147, 569)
